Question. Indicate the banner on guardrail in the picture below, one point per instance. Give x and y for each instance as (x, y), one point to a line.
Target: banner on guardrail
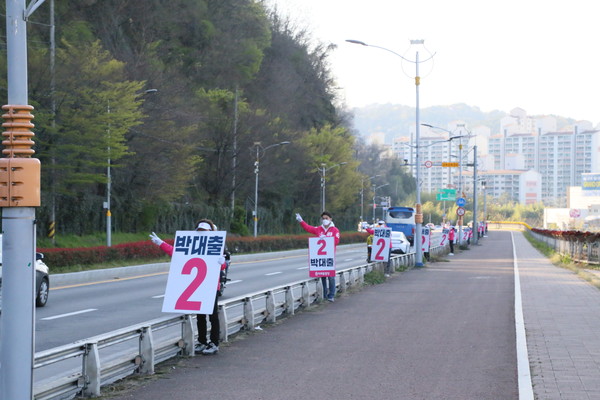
(444, 237)
(382, 243)
(321, 257)
(194, 272)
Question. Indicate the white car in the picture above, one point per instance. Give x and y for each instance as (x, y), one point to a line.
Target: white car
(400, 243)
(42, 279)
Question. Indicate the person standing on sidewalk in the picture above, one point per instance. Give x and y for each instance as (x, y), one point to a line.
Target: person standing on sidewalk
(326, 229)
(203, 347)
(451, 235)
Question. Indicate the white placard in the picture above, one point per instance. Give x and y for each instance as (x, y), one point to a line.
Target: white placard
(321, 257)
(382, 243)
(425, 239)
(444, 237)
(194, 272)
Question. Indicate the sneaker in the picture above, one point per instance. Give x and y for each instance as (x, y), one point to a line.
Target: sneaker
(450, 254)
(199, 348)
(331, 299)
(387, 275)
(211, 349)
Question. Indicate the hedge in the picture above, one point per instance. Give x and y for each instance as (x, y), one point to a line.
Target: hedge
(146, 250)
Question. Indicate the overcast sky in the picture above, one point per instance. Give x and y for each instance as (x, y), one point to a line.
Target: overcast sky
(542, 56)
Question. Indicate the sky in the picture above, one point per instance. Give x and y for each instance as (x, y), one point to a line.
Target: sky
(539, 55)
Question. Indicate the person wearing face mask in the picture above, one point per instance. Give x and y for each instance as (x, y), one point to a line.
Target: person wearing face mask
(326, 229)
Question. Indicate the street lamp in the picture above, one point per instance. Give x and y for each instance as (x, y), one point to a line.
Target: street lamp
(322, 171)
(374, 193)
(108, 176)
(362, 191)
(260, 151)
(419, 215)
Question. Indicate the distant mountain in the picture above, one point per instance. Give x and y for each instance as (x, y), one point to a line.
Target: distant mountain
(396, 120)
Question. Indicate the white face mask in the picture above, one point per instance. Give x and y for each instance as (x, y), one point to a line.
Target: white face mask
(326, 222)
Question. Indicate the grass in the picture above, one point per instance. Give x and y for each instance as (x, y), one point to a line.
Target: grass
(97, 239)
(564, 261)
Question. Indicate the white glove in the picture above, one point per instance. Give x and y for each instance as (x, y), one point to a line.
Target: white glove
(298, 217)
(155, 239)
(221, 260)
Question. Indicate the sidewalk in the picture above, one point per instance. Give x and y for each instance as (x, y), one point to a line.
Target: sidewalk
(445, 331)
(562, 321)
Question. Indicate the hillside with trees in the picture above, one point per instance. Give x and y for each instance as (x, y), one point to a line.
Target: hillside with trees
(174, 96)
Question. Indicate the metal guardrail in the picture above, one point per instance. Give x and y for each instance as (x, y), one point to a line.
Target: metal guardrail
(87, 365)
(579, 250)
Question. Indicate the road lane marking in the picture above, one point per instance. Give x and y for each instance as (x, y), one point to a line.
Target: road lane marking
(69, 314)
(302, 268)
(232, 282)
(523, 367)
(349, 259)
(273, 273)
(158, 296)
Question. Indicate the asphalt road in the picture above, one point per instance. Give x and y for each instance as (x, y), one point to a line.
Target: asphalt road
(87, 309)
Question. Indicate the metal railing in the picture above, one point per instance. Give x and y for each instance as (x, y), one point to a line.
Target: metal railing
(87, 365)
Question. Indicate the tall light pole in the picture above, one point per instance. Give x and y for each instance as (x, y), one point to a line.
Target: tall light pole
(323, 170)
(374, 197)
(260, 151)
(450, 138)
(362, 191)
(419, 214)
(108, 176)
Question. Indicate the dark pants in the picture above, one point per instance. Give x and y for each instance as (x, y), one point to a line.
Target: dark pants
(451, 246)
(215, 327)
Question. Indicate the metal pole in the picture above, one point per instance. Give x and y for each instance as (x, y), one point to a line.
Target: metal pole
(362, 198)
(475, 233)
(419, 217)
(18, 243)
(323, 189)
(108, 188)
(256, 192)
(460, 186)
(374, 190)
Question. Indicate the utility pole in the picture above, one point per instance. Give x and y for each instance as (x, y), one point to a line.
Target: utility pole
(19, 195)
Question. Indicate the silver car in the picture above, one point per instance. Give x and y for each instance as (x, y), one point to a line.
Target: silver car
(400, 244)
(42, 279)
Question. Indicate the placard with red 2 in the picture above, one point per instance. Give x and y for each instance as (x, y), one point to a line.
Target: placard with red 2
(194, 272)
(321, 257)
(382, 242)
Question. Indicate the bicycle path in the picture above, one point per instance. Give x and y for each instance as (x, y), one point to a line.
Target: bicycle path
(446, 331)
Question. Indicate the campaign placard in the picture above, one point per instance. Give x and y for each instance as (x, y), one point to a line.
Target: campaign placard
(194, 272)
(382, 243)
(321, 257)
(425, 239)
(444, 237)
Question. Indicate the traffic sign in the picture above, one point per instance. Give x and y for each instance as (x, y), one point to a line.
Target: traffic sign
(428, 164)
(460, 211)
(449, 164)
(461, 202)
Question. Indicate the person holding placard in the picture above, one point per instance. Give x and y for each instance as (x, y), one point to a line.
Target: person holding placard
(326, 229)
(203, 347)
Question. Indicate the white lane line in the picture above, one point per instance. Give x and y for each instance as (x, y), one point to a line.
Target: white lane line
(160, 296)
(69, 314)
(523, 371)
(349, 259)
(273, 273)
(232, 282)
(302, 268)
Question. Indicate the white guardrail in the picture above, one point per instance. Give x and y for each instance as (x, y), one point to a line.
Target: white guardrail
(83, 367)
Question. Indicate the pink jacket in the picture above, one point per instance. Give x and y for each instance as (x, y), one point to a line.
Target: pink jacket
(320, 231)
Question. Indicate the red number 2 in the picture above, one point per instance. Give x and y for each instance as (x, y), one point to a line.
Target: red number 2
(321, 250)
(381, 244)
(183, 302)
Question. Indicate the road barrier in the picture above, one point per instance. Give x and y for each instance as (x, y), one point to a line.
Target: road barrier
(83, 367)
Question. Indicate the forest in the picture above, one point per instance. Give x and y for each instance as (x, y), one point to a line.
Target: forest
(177, 104)
(187, 107)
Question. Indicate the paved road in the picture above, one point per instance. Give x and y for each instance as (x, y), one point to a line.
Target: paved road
(441, 332)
